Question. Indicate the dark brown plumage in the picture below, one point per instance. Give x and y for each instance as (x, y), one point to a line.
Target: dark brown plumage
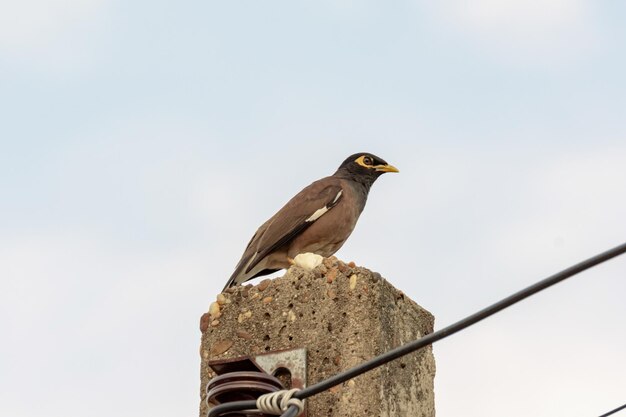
(319, 219)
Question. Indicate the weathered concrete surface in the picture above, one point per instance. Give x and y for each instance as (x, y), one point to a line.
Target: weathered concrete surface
(343, 315)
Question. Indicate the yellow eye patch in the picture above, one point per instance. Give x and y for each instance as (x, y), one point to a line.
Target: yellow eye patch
(361, 161)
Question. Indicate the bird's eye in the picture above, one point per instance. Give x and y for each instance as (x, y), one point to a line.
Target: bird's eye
(368, 161)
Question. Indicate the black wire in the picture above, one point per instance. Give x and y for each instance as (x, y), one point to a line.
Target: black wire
(440, 334)
(603, 415)
(232, 406)
(292, 411)
(459, 325)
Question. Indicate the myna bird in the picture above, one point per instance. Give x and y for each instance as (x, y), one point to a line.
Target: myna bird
(319, 219)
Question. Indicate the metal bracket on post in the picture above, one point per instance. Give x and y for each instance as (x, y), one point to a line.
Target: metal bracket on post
(292, 360)
(248, 377)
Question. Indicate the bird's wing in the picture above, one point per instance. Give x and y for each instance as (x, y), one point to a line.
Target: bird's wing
(299, 213)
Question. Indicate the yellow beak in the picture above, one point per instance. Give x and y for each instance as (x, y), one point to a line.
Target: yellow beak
(386, 168)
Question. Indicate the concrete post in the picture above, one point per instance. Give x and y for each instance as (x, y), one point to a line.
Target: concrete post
(343, 315)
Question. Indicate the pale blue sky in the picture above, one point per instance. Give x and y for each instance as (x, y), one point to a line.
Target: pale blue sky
(138, 138)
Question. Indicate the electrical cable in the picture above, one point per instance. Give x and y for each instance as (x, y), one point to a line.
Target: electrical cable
(292, 411)
(218, 410)
(610, 413)
(459, 325)
(436, 336)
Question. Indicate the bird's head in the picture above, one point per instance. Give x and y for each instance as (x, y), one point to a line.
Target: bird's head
(364, 167)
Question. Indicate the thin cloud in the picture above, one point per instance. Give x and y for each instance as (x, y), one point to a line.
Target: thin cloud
(528, 32)
(47, 34)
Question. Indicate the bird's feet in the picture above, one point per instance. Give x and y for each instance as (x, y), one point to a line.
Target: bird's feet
(307, 260)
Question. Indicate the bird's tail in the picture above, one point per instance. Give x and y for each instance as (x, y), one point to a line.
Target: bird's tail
(240, 275)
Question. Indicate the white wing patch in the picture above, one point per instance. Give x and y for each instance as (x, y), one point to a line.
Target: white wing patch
(337, 196)
(320, 212)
